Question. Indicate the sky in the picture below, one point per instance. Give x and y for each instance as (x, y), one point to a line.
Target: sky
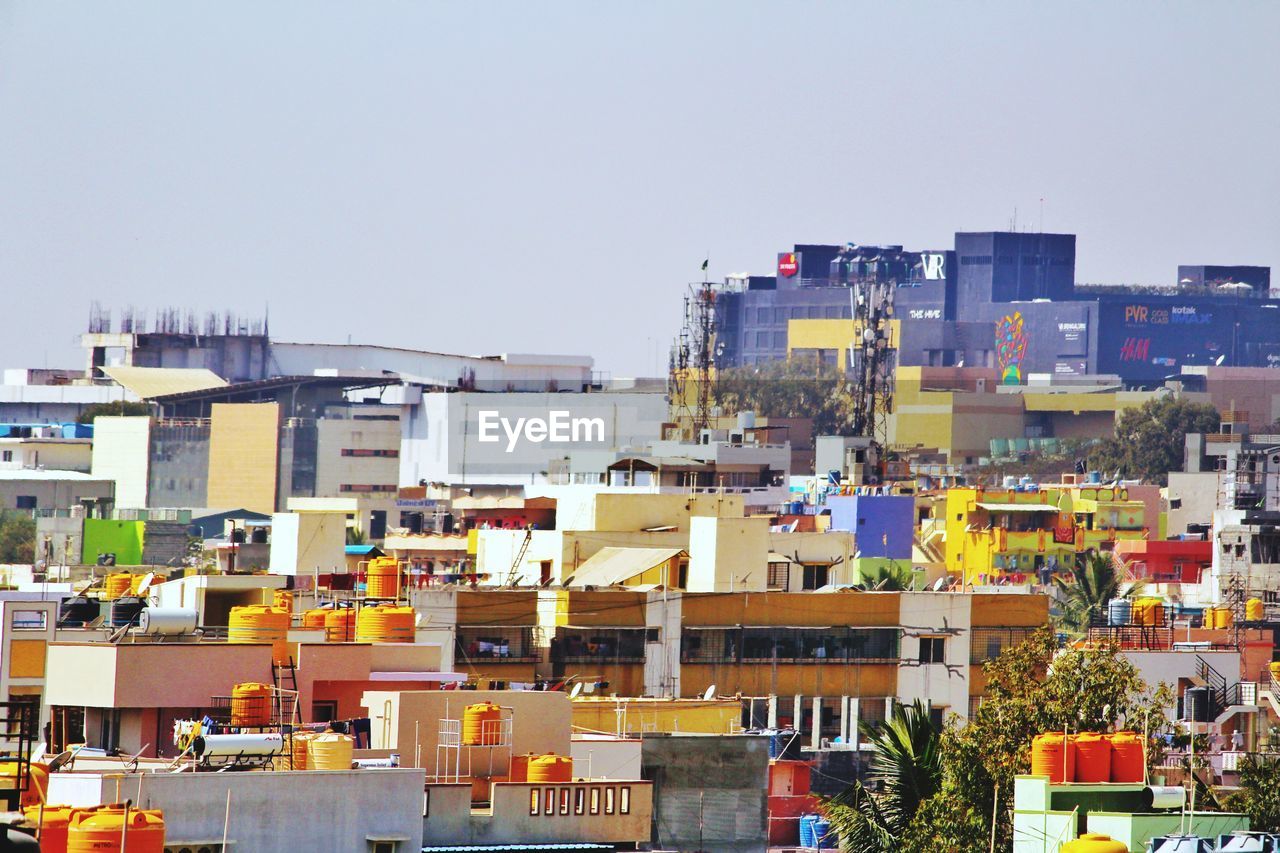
(548, 177)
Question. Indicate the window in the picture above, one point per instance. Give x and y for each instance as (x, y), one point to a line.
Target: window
(533, 801)
(25, 502)
(624, 800)
(369, 451)
(384, 847)
(549, 801)
(29, 620)
(426, 802)
(608, 800)
(779, 575)
(564, 801)
(815, 577)
(8, 456)
(595, 801)
(579, 800)
(933, 649)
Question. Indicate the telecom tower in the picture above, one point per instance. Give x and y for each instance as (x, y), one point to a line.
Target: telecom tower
(872, 360)
(693, 360)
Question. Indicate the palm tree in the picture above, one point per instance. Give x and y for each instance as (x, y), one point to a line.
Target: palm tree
(889, 577)
(1096, 582)
(355, 536)
(906, 770)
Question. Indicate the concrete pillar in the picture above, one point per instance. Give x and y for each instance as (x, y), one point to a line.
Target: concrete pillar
(854, 733)
(773, 711)
(845, 734)
(797, 713)
(815, 727)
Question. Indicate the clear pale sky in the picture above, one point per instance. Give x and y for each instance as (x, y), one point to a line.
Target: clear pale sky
(546, 177)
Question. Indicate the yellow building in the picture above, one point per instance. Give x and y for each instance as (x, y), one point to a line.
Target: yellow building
(1001, 533)
(828, 341)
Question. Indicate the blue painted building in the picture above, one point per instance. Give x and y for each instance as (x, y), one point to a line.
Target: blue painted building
(883, 525)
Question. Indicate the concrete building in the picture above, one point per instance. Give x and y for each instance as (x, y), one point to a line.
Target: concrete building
(42, 489)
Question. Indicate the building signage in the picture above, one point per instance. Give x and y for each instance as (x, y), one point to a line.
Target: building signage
(934, 265)
(416, 503)
(787, 264)
(925, 314)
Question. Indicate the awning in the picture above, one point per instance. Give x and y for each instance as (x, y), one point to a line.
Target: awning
(610, 566)
(149, 382)
(1018, 507)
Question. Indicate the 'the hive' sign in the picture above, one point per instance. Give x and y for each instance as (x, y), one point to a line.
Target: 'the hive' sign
(787, 264)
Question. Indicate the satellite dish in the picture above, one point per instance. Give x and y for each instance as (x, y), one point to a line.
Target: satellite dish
(60, 761)
(709, 693)
(576, 691)
(145, 585)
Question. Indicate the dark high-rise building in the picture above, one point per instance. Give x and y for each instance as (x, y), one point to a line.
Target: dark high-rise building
(1000, 266)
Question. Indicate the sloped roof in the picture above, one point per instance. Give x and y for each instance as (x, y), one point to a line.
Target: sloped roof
(610, 566)
(149, 382)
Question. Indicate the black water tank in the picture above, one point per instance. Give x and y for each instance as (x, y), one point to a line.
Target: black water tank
(259, 535)
(78, 610)
(126, 610)
(1195, 704)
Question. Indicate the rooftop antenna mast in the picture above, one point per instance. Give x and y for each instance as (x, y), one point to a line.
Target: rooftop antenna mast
(872, 358)
(693, 357)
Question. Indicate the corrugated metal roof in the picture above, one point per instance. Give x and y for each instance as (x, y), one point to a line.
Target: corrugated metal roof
(150, 382)
(994, 507)
(610, 566)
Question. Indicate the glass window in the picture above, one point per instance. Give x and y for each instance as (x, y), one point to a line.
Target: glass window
(533, 801)
(29, 620)
(624, 800)
(608, 800)
(564, 801)
(933, 649)
(579, 800)
(549, 801)
(595, 801)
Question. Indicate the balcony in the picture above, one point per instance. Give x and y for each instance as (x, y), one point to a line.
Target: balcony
(789, 645)
(496, 644)
(598, 645)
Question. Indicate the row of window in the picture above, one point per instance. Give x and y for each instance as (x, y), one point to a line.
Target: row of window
(370, 451)
(364, 488)
(766, 316)
(552, 801)
(729, 645)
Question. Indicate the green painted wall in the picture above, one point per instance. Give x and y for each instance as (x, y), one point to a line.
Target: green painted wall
(107, 536)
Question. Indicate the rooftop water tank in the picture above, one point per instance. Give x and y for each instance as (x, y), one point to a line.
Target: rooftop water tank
(108, 829)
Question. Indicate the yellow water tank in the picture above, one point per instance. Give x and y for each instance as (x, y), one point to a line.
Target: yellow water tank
(251, 704)
(1225, 617)
(480, 724)
(282, 599)
(1254, 610)
(1148, 611)
(550, 768)
(330, 751)
(382, 578)
(385, 623)
(1094, 842)
(314, 618)
(51, 824)
(340, 625)
(109, 829)
(37, 781)
(1274, 666)
(298, 756)
(117, 585)
(261, 623)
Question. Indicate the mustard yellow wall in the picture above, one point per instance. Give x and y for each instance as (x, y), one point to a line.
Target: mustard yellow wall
(243, 455)
(831, 334)
(612, 608)
(497, 607)
(714, 716)
(1008, 611)
(855, 609)
(26, 659)
(810, 679)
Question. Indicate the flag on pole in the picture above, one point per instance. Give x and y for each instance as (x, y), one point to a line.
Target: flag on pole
(705, 263)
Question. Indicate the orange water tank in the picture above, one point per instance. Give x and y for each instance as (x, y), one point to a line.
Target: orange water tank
(1128, 758)
(298, 756)
(1274, 667)
(385, 623)
(1255, 610)
(481, 724)
(282, 599)
(52, 823)
(314, 618)
(116, 585)
(261, 623)
(1048, 759)
(519, 768)
(1093, 758)
(382, 578)
(1094, 842)
(102, 830)
(340, 625)
(551, 768)
(251, 704)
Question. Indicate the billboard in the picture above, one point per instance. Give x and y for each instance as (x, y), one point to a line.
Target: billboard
(788, 265)
(1152, 338)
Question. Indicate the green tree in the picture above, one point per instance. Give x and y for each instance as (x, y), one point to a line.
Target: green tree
(795, 388)
(115, 407)
(1096, 582)
(1036, 687)
(355, 536)
(1258, 794)
(906, 767)
(892, 577)
(17, 537)
(1150, 439)
(946, 825)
